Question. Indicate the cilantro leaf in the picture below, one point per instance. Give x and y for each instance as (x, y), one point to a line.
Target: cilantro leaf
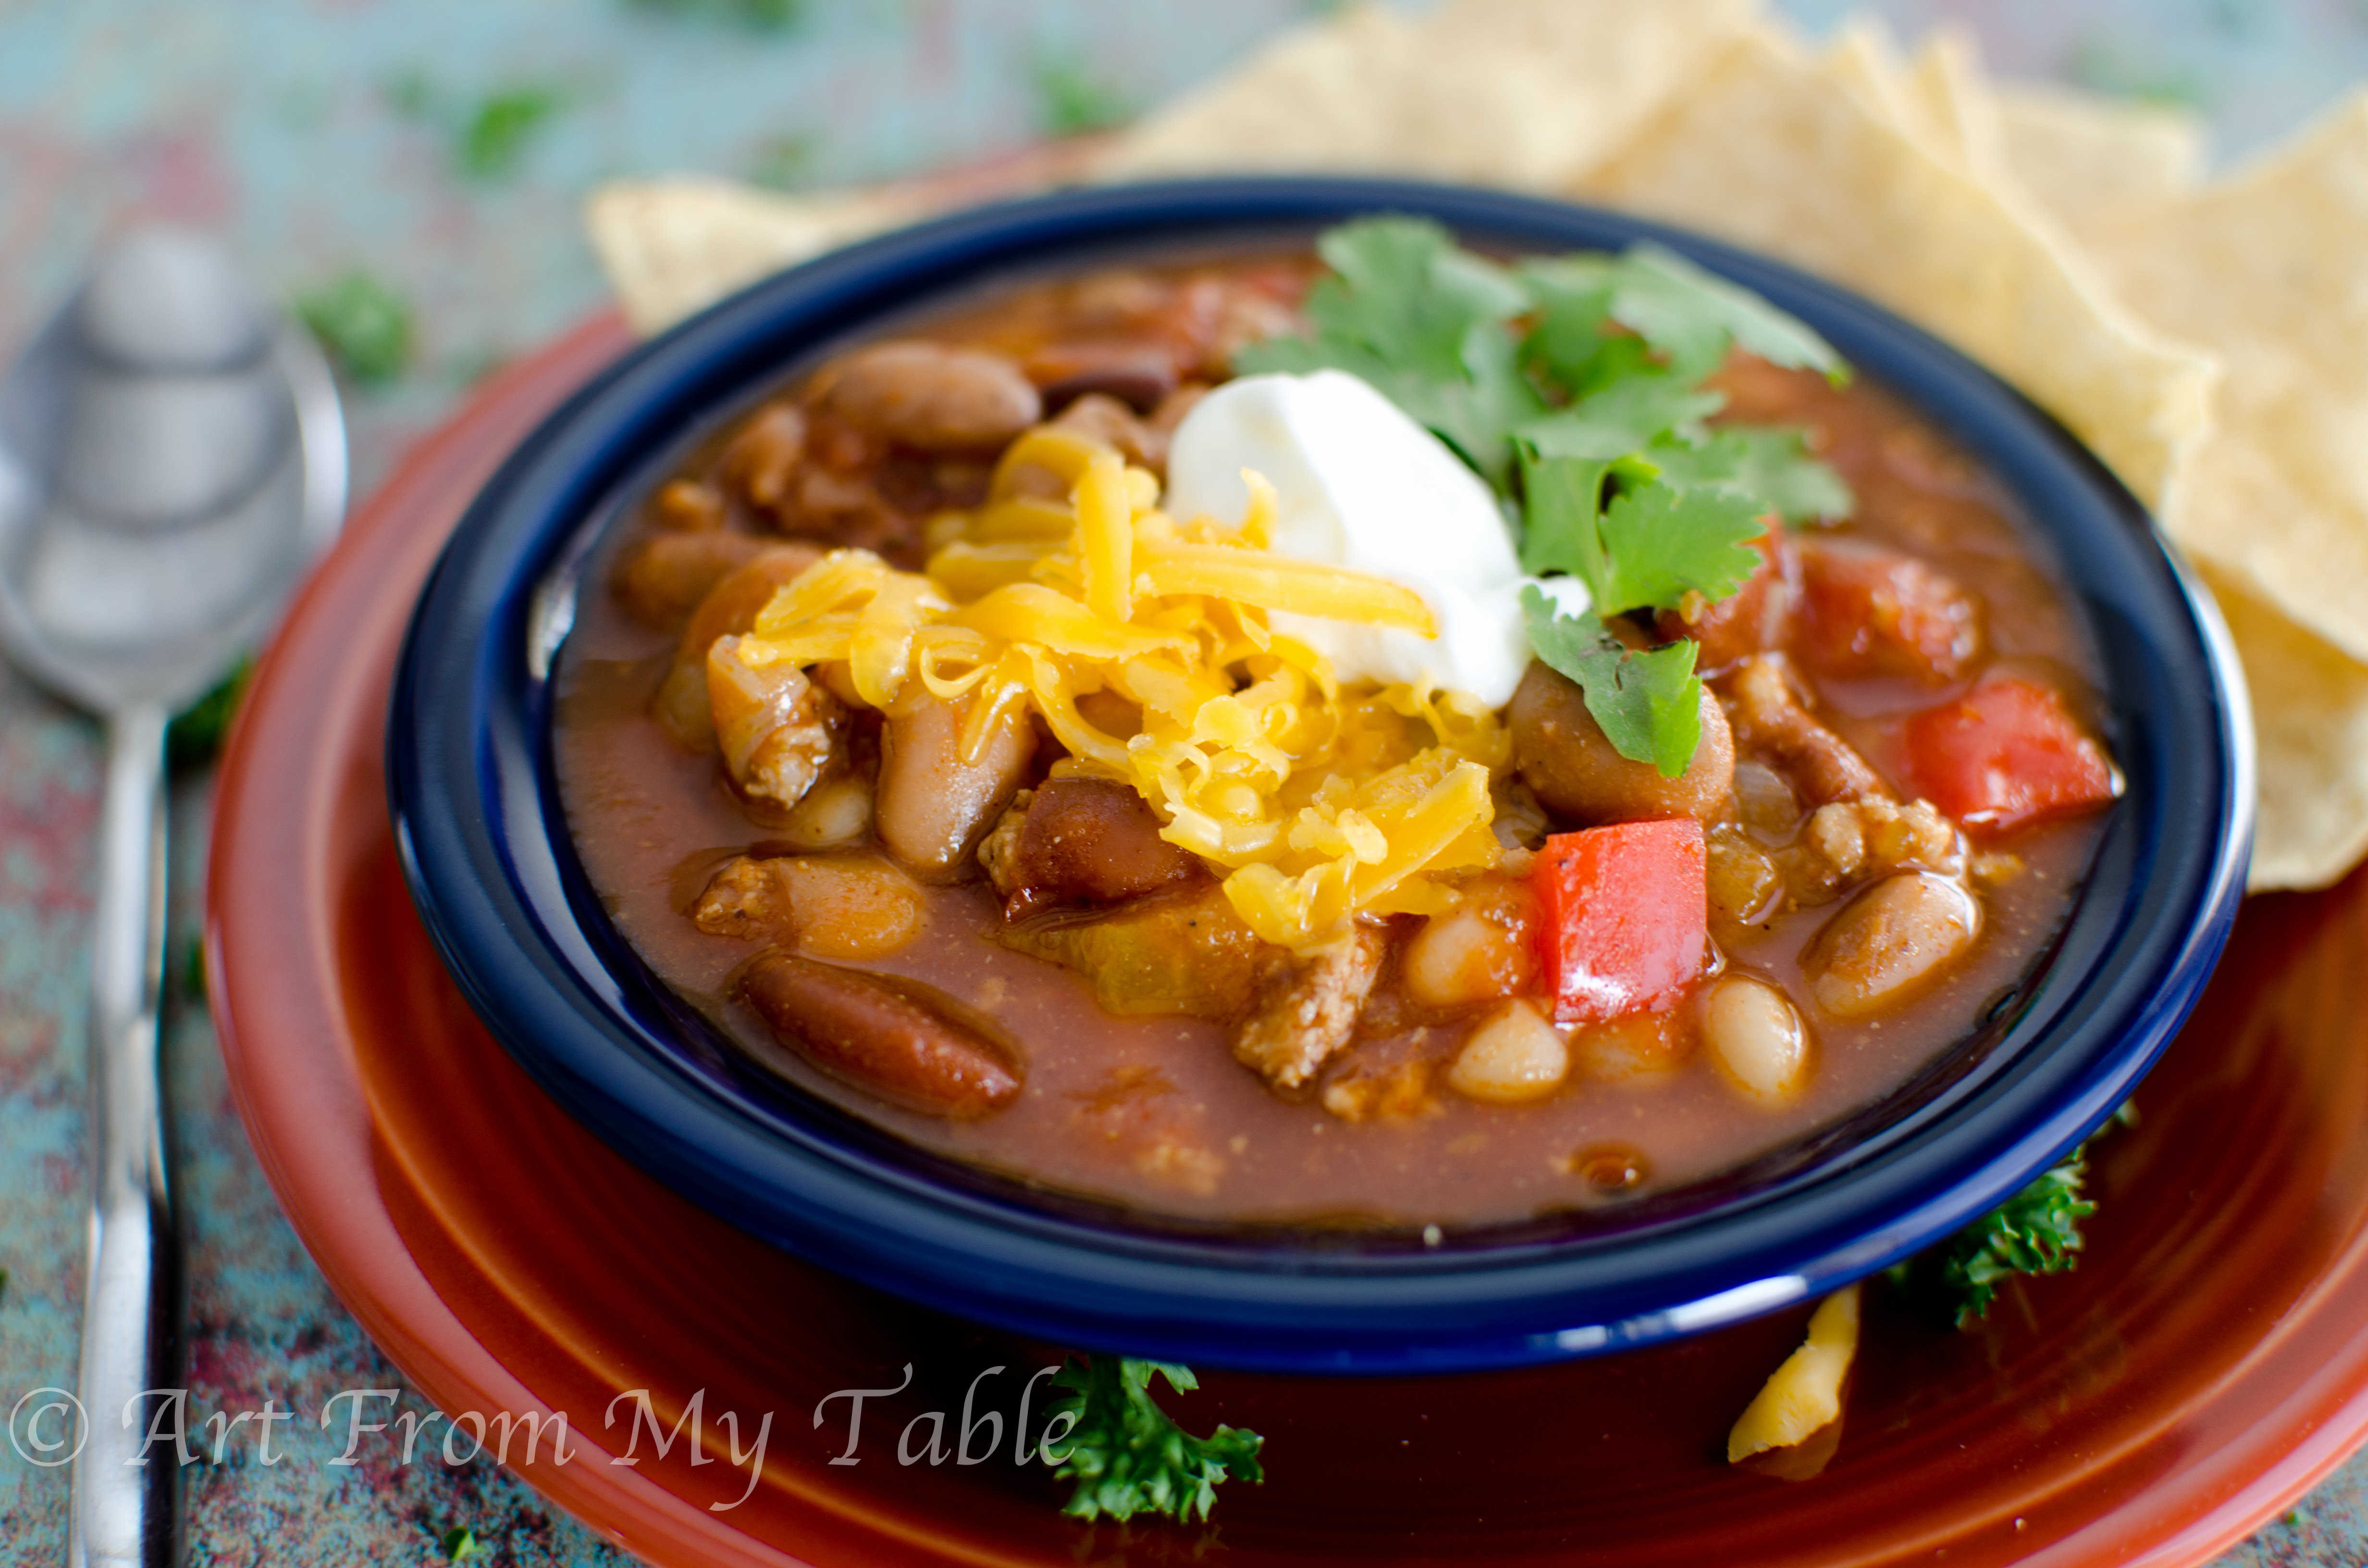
(1128, 1457)
(1647, 701)
(1578, 386)
(1693, 315)
(1648, 547)
(1664, 543)
(1770, 464)
(1427, 324)
(1624, 416)
(1561, 511)
(2035, 1231)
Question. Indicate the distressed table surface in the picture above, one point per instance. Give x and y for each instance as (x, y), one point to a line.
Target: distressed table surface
(442, 146)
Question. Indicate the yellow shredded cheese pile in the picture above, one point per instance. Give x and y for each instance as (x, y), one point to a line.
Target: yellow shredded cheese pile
(1318, 803)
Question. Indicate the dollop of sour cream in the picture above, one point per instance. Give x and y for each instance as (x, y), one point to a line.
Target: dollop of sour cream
(1359, 485)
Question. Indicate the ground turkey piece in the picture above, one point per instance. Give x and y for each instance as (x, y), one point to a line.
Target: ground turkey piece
(1314, 1012)
(748, 898)
(1771, 722)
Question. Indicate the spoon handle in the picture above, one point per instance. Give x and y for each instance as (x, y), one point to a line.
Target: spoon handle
(123, 1488)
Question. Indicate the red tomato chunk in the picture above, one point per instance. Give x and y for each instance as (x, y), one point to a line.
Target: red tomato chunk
(1875, 613)
(2007, 753)
(1626, 917)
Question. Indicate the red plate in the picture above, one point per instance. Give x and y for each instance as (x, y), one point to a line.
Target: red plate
(2205, 1366)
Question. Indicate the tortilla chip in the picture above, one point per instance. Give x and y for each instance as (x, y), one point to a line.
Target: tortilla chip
(1864, 61)
(2089, 159)
(673, 246)
(1957, 101)
(1938, 101)
(2265, 268)
(1767, 151)
(2310, 725)
(1522, 93)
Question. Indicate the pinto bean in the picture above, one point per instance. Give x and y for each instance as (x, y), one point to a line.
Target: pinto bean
(932, 808)
(687, 506)
(765, 453)
(1868, 612)
(682, 706)
(663, 579)
(932, 396)
(1090, 841)
(1889, 942)
(1566, 759)
(905, 1041)
(778, 730)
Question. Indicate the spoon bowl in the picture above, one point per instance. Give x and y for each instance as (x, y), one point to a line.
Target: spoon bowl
(172, 457)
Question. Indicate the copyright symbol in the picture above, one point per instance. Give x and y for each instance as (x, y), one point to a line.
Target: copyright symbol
(47, 1427)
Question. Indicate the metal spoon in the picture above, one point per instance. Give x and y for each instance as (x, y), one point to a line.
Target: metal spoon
(172, 454)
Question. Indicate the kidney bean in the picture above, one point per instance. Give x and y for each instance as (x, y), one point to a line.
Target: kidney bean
(1090, 841)
(905, 1041)
(1135, 375)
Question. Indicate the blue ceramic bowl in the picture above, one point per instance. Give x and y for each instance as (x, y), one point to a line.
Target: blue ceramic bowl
(487, 852)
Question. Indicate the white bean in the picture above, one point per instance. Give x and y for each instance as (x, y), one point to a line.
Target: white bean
(834, 812)
(1754, 1033)
(1477, 952)
(1512, 1057)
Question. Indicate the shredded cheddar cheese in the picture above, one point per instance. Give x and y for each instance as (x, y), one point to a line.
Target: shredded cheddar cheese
(1317, 804)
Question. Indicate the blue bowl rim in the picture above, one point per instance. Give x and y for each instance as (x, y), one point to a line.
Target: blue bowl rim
(490, 865)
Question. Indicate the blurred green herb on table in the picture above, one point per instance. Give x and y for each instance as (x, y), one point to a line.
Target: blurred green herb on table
(1073, 99)
(497, 133)
(782, 163)
(757, 16)
(461, 1544)
(490, 136)
(363, 325)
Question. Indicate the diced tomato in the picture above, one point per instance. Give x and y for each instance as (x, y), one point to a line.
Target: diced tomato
(1626, 917)
(2007, 753)
(1868, 612)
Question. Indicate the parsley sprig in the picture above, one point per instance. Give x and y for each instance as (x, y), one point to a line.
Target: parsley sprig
(2035, 1231)
(1128, 1457)
(1577, 387)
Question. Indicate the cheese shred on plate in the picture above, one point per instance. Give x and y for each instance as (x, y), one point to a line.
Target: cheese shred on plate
(1317, 801)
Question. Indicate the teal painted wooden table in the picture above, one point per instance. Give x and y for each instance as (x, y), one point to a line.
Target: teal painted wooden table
(440, 147)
